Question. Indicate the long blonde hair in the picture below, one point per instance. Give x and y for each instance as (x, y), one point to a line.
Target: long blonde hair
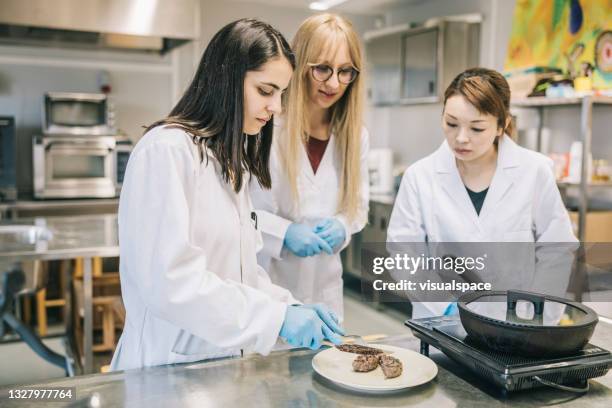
(317, 33)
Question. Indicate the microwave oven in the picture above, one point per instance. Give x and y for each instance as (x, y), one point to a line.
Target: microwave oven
(74, 167)
(79, 166)
(71, 113)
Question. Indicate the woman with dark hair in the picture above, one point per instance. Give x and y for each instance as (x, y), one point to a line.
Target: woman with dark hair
(479, 186)
(190, 282)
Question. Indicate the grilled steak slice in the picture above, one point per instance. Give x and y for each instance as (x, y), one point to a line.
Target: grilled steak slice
(359, 349)
(391, 366)
(364, 363)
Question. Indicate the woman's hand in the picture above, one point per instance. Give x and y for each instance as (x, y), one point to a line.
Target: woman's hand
(332, 231)
(302, 241)
(307, 326)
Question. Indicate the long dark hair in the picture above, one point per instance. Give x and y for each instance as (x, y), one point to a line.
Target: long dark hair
(211, 109)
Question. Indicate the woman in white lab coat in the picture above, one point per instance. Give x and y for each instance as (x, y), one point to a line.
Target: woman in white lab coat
(479, 186)
(319, 194)
(190, 282)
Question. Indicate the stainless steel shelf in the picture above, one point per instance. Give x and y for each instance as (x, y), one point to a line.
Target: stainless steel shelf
(585, 104)
(35, 208)
(565, 184)
(540, 101)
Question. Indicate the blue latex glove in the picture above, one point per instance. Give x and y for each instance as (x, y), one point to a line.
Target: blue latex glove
(451, 309)
(330, 320)
(304, 328)
(302, 241)
(332, 231)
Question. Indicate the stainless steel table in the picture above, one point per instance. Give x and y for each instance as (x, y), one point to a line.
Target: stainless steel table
(286, 379)
(73, 237)
(35, 208)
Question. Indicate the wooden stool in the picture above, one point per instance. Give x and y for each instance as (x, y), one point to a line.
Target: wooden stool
(96, 269)
(38, 270)
(107, 306)
(104, 304)
(42, 303)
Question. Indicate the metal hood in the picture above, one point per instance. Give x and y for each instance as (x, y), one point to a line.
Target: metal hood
(139, 25)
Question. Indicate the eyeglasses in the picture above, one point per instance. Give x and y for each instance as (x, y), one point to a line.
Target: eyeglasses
(322, 73)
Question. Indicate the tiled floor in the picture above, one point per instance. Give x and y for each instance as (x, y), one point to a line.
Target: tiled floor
(21, 366)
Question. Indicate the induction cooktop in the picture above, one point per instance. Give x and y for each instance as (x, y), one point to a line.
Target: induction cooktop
(507, 371)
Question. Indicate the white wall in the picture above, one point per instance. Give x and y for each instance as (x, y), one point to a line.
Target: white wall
(215, 14)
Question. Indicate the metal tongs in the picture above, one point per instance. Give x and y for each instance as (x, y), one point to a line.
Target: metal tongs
(357, 339)
(354, 339)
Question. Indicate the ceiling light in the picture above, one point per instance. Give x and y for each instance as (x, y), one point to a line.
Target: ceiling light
(325, 4)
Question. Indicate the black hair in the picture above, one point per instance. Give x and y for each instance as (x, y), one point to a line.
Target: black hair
(211, 109)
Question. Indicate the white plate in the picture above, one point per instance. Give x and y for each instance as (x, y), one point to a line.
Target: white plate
(337, 366)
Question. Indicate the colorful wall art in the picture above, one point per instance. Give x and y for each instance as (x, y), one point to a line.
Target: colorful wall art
(565, 34)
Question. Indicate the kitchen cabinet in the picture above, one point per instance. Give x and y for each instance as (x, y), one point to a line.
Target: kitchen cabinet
(383, 54)
(375, 231)
(378, 222)
(420, 64)
(412, 65)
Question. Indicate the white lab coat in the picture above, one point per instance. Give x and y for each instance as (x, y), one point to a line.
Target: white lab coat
(523, 204)
(190, 282)
(316, 279)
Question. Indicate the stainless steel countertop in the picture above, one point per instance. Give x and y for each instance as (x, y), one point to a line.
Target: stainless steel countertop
(76, 236)
(84, 236)
(67, 203)
(286, 379)
(68, 207)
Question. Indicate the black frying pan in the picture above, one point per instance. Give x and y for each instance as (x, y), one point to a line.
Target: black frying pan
(567, 331)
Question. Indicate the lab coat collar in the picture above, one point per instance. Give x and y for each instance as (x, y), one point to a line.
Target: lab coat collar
(450, 180)
(448, 175)
(508, 162)
(509, 153)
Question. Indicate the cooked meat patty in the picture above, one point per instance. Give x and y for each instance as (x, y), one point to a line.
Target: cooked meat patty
(359, 349)
(391, 366)
(364, 363)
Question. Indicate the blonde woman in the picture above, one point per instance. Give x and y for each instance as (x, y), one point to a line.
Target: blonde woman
(320, 188)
